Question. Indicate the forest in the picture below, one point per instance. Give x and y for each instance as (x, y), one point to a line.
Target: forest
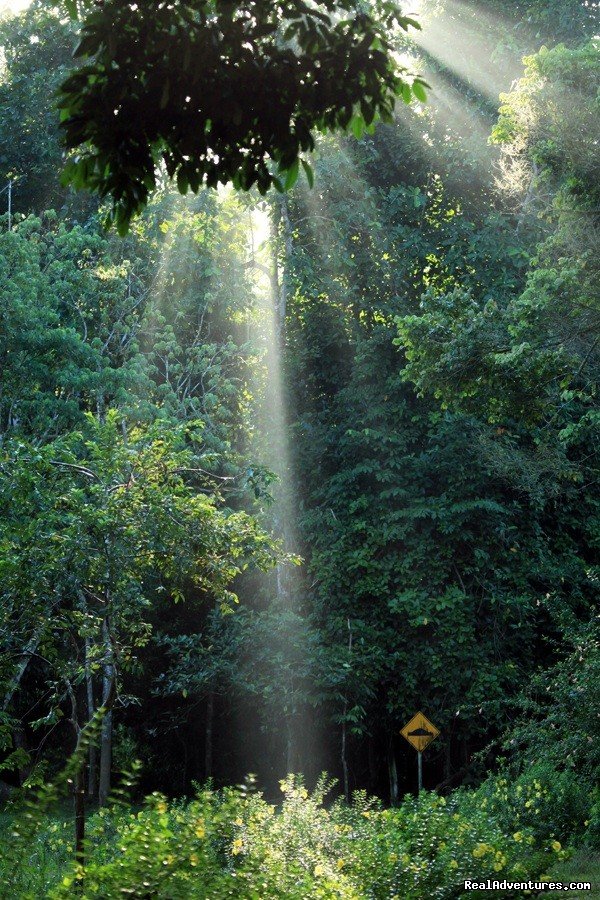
(299, 435)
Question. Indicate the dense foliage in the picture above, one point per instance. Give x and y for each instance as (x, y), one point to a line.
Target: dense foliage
(235, 844)
(190, 89)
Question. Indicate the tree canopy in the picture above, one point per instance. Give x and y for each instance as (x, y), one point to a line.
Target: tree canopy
(220, 92)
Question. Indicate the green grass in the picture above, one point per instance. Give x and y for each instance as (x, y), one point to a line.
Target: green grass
(584, 866)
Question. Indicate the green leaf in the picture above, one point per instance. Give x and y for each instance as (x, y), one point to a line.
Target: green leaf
(71, 8)
(310, 175)
(419, 91)
(182, 182)
(357, 126)
(291, 176)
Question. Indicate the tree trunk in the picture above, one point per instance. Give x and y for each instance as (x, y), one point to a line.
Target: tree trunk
(20, 743)
(344, 728)
(83, 735)
(393, 773)
(448, 760)
(289, 749)
(79, 785)
(345, 764)
(28, 652)
(91, 709)
(274, 276)
(284, 291)
(208, 746)
(105, 759)
(79, 802)
(465, 752)
(373, 773)
(107, 722)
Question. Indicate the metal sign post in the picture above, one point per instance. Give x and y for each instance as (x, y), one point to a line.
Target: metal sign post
(419, 733)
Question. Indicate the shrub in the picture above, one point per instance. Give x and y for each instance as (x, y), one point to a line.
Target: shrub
(550, 804)
(232, 843)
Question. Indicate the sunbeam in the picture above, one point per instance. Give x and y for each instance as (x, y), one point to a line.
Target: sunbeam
(12, 7)
(459, 41)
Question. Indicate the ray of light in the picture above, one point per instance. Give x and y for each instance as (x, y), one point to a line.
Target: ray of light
(13, 6)
(298, 730)
(463, 39)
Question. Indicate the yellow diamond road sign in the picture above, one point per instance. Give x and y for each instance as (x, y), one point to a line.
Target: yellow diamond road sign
(420, 732)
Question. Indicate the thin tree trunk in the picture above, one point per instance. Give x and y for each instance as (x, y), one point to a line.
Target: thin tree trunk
(448, 760)
(79, 802)
(82, 737)
(465, 752)
(345, 764)
(393, 773)
(208, 747)
(26, 655)
(344, 728)
(107, 722)
(79, 786)
(91, 709)
(274, 271)
(20, 743)
(289, 749)
(105, 759)
(373, 779)
(284, 290)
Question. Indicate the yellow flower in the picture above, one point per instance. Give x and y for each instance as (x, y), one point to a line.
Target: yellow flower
(161, 806)
(238, 822)
(319, 870)
(480, 850)
(556, 846)
(518, 836)
(340, 864)
(200, 830)
(453, 864)
(498, 866)
(194, 859)
(367, 814)
(237, 846)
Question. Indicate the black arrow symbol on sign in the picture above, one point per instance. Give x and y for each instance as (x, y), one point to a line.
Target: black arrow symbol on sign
(420, 732)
